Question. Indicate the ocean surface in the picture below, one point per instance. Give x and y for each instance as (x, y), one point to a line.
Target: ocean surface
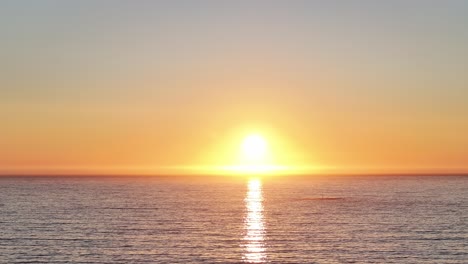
(347, 219)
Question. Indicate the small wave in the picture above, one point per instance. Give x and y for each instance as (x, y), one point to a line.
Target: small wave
(319, 199)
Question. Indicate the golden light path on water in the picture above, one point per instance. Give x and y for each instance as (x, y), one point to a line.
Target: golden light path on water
(254, 224)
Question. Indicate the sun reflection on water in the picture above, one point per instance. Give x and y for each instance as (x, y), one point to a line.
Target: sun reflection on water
(254, 224)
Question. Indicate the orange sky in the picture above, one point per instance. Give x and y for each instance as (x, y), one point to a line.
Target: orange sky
(168, 88)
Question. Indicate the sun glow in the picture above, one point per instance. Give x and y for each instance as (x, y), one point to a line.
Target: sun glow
(255, 157)
(253, 153)
(254, 149)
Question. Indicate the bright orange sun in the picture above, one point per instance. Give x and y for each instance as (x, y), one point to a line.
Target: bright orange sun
(255, 157)
(254, 149)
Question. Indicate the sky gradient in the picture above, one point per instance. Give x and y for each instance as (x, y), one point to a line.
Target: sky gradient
(107, 87)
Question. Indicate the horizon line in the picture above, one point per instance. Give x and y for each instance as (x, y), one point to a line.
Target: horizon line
(403, 174)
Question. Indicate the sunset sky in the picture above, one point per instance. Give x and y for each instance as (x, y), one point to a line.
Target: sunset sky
(161, 87)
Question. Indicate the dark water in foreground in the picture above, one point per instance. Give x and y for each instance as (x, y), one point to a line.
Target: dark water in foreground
(229, 220)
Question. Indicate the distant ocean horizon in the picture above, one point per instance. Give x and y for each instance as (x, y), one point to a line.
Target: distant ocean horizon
(243, 175)
(240, 219)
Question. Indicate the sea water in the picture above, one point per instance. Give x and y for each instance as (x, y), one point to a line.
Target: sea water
(314, 219)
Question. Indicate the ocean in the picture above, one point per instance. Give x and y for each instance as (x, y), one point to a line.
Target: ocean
(314, 219)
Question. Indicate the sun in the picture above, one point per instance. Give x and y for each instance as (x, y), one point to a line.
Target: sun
(254, 149)
(255, 157)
